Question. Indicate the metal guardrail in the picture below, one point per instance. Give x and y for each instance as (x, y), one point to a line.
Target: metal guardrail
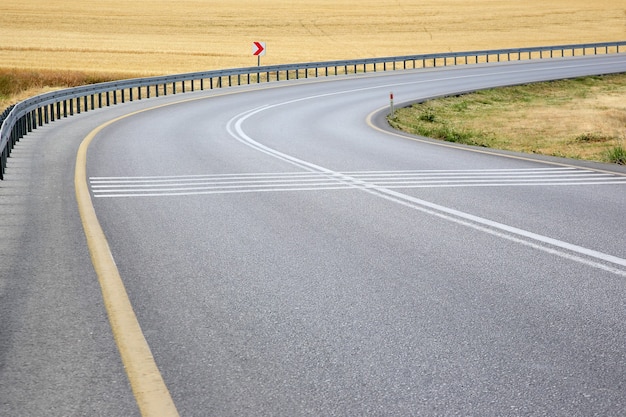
(27, 115)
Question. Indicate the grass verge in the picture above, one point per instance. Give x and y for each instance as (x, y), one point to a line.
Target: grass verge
(582, 118)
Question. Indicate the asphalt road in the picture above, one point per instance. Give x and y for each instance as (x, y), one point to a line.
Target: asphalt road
(287, 255)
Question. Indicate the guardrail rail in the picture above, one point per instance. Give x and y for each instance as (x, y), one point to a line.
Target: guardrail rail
(25, 116)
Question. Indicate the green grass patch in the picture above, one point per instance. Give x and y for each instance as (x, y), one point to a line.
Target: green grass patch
(616, 155)
(588, 137)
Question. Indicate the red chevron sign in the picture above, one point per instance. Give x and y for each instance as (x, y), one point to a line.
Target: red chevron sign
(258, 48)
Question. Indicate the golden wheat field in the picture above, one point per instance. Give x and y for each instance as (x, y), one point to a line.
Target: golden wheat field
(152, 37)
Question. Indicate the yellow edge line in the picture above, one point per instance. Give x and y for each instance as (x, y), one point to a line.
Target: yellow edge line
(149, 389)
(151, 394)
(494, 152)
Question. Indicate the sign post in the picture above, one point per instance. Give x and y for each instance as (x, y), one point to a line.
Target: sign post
(258, 49)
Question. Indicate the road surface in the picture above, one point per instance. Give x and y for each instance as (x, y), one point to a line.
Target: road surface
(286, 254)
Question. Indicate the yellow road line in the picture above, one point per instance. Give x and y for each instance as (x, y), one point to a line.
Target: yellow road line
(151, 394)
(149, 389)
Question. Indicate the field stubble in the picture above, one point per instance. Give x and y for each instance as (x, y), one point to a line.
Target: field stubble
(162, 37)
(60, 43)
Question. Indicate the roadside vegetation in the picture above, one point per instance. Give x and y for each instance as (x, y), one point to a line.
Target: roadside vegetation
(582, 118)
(20, 84)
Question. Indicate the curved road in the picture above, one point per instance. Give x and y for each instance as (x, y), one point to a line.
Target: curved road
(286, 254)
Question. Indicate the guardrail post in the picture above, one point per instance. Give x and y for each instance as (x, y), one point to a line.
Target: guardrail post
(2, 164)
(21, 127)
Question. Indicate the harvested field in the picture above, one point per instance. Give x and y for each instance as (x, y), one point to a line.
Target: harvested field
(163, 37)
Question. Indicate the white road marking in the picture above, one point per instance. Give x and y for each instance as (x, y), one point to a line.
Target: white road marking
(557, 247)
(352, 180)
(301, 181)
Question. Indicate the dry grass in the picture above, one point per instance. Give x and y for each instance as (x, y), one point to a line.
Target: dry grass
(19, 84)
(582, 118)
